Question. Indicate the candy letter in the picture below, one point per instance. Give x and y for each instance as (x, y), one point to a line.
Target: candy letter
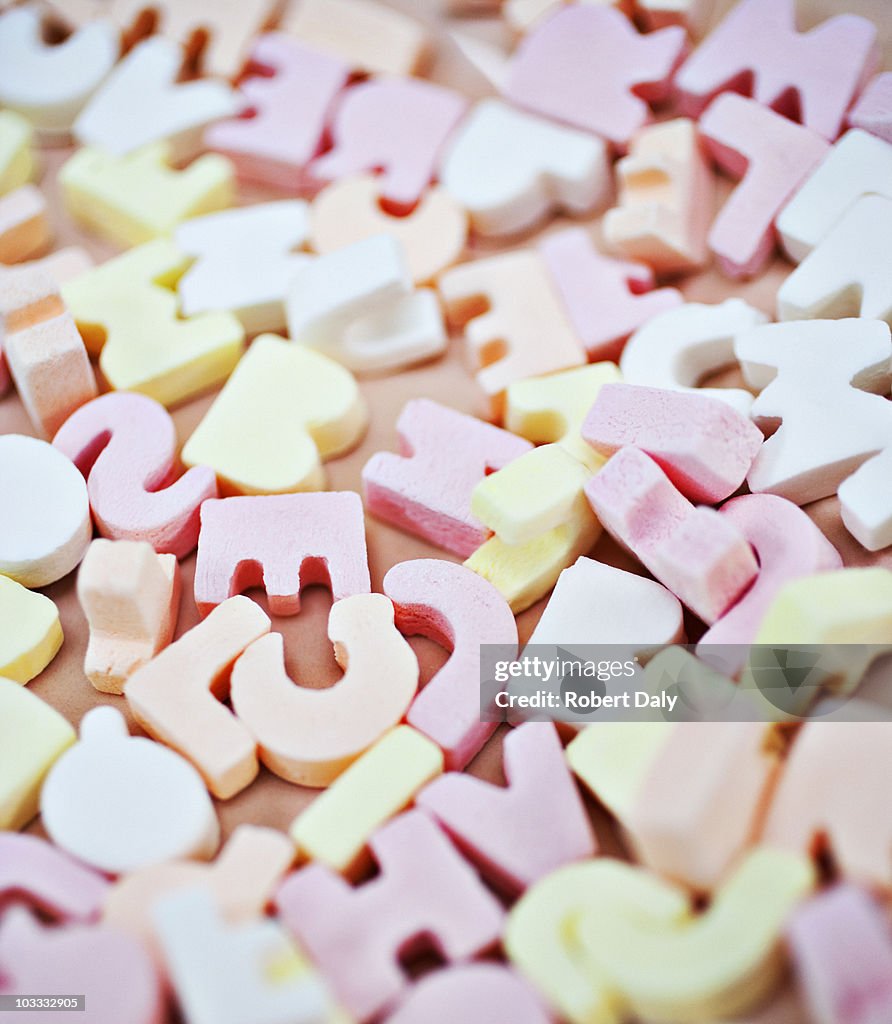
(817, 799)
(718, 964)
(460, 611)
(517, 834)
(680, 822)
(49, 84)
(847, 274)
(584, 934)
(510, 169)
(224, 974)
(358, 306)
(216, 38)
(131, 598)
(811, 76)
(698, 555)
(288, 100)
(614, 759)
(283, 543)
(426, 488)
(473, 994)
(873, 111)
(665, 200)
(127, 313)
(589, 67)
(676, 349)
(141, 102)
(432, 234)
(849, 611)
(309, 736)
(134, 198)
(843, 955)
(551, 409)
(48, 879)
(24, 227)
(507, 304)
(424, 896)
(125, 446)
(594, 603)
(816, 375)
(602, 296)
(542, 522)
(864, 502)
(858, 165)
(17, 164)
(787, 545)
(772, 157)
(245, 259)
(284, 409)
(367, 37)
(241, 880)
(543, 932)
(396, 127)
(110, 969)
(700, 443)
(43, 350)
(176, 696)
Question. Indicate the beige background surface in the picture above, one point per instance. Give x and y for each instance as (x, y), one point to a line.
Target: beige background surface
(271, 801)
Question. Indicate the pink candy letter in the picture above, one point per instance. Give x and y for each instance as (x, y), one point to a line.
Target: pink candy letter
(694, 552)
(424, 895)
(125, 445)
(285, 541)
(426, 489)
(519, 833)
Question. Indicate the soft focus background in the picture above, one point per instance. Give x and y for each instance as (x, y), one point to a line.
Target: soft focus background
(271, 801)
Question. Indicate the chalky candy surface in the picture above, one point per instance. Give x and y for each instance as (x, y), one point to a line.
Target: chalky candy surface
(271, 801)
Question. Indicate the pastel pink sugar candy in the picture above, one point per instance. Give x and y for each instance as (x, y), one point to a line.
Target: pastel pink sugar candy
(460, 610)
(471, 994)
(842, 951)
(605, 299)
(772, 157)
(694, 552)
(125, 445)
(426, 488)
(873, 111)
(832, 789)
(397, 126)
(424, 897)
(811, 77)
(519, 833)
(588, 65)
(703, 445)
(288, 102)
(282, 542)
(110, 968)
(45, 877)
(788, 546)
